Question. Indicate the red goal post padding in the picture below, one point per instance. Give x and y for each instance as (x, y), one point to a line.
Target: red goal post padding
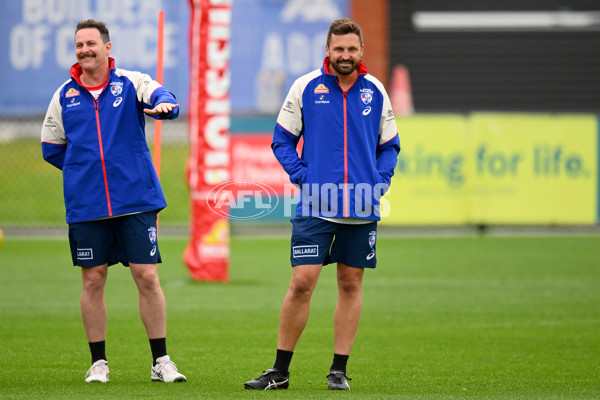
(207, 253)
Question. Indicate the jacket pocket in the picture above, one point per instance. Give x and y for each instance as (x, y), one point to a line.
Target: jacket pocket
(145, 171)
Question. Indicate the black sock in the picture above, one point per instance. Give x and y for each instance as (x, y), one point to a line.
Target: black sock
(339, 362)
(283, 360)
(159, 348)
(98, 350)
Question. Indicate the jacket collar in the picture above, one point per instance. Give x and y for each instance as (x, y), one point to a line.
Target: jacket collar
(76, 70)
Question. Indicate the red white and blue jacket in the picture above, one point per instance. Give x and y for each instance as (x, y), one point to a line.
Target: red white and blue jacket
(350, 144)
(100, 145)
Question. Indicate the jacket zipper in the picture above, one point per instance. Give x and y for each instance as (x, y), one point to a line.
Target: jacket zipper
(102, 158)
(346, 194)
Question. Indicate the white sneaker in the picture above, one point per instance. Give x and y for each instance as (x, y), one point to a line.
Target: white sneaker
(98, 372)
(165, 370)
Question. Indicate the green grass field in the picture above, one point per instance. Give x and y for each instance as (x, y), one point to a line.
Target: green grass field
(451, 318)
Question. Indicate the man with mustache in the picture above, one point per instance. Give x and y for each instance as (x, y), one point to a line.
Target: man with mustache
(348, 158)
(94, 133)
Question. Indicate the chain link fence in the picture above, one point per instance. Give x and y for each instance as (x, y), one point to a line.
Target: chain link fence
(31, 197)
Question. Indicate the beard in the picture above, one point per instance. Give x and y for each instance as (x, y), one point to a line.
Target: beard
(344, 69)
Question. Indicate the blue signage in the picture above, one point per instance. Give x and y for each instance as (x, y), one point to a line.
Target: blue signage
(273, 43)
(37, 46)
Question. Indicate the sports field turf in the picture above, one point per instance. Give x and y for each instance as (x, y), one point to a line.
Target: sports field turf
(443, 318)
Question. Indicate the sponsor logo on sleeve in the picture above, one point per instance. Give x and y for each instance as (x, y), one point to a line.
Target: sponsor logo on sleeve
(288, 107)
(390, 116)
(50, 122)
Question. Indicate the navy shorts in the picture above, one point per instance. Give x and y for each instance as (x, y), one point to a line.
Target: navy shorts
(317, 241)
(129, 238)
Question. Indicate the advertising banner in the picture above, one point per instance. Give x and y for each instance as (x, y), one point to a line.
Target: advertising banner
(37, 47)
(285, 40)
(495, 169)
(253, 160)
(533, 169)
(428, 187)
(260, 189)
(272, 44)
(207, 253)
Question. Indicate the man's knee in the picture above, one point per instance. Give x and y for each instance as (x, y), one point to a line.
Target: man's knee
(146, 277)
(350, 285)
(302, 285)
(350, 279)
(93, 278)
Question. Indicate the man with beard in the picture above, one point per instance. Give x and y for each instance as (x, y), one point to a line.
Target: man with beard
(348, 158)
(94, 133)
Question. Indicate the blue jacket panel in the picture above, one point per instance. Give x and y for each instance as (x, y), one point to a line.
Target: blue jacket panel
(100, 145)
(350, 144)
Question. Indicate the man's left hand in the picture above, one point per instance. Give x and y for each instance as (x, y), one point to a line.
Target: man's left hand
(161, 108)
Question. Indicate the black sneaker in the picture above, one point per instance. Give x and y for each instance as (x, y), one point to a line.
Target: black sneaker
(338, 380)
(271, 379)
